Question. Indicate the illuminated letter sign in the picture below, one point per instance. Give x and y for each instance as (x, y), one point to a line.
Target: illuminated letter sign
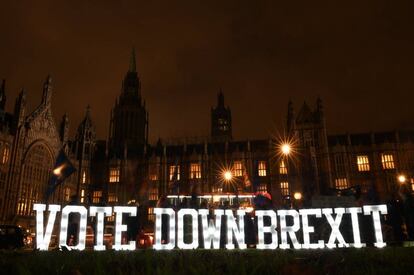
(191, 229)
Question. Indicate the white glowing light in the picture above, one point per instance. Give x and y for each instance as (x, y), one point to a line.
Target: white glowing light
(180, 227)
(119, 227)
(297, 196)
(335, 224)
(266, 229)
(310, 229)
(42, 241)
(227, 175)
(285, 149)
(211, 229)
(64, 226)
(376, 210)
(100, 212)
(232, 228)
(355, 226)
(291, 230)
(402, 178)
(158, 228)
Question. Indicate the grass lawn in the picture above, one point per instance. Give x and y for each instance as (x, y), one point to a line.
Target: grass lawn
(390, 260)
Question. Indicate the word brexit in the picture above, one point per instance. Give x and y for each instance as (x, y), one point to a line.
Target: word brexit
(171, 223)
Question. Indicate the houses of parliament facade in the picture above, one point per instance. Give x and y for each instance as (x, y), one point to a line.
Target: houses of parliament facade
(126, 168)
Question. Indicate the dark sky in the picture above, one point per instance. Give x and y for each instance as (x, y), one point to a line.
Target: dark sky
(357, 55)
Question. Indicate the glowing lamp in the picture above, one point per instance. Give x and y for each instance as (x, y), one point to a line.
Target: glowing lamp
(297, 196)
(402, 178)
(227, 175)
(285, 149)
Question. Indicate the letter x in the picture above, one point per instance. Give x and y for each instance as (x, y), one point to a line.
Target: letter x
(335, 223)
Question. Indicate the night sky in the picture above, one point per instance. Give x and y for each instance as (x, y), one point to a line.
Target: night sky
(358, 56)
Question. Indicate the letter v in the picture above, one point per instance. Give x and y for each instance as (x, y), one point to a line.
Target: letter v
(42, 241)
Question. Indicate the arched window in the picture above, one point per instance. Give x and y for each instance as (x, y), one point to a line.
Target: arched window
(35, 178)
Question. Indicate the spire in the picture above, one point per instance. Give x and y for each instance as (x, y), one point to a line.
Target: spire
(290, 116)
(3, 95)
(220, 99)
(64, 128)
(132, 62)
(88, 111)
(47, 90)
(20, 108)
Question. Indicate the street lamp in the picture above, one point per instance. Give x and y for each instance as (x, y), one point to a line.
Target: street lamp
(227, 175)
(402, 179)
(285, 148)
(297, 195)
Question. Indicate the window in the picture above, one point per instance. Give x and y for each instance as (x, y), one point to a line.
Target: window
(238, 169)
(387, 161)
(6, 152)
(412, 184)
(339, 165)
(66, 194)
(97, 195)
(195, 171)
(111, 218)
(151, 215)
(153, 172)
(112, 197)
(284, 188)
(217, 189)
(82, 196)
(223, 125)
(262, 168)
(341, 183)
(114, 175)
(153, 194)
(282, 168)
(262, 188)
(174, 172)
(363, 163)
(84, 177)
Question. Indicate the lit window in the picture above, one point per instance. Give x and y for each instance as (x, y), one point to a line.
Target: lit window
(174, 172)
(153, 195)
(195, 171)
(114, 175)
(112, 197)
(82, 196)
(238, 169)
(284, 188)
(151, 216)
(84, 177)
(282, 168)
(262, 168)
(363, 163)
(341, 183)
(217, 189)
(153, 172)
(66, 194)
(111, 218)
(412, 184)
(97, 195)
(262, 188)
(387, 161)
(6, 153)
(223, 125)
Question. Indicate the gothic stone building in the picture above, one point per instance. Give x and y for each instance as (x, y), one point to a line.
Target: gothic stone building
(127, 169)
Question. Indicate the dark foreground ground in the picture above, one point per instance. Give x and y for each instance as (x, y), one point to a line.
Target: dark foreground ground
(391, 260)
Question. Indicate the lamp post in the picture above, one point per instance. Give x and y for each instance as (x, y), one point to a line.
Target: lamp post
(402, 179)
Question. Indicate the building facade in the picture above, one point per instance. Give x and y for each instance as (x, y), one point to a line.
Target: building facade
(127, 169)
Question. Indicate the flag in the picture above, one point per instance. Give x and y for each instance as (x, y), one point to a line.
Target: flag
(62, 170)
